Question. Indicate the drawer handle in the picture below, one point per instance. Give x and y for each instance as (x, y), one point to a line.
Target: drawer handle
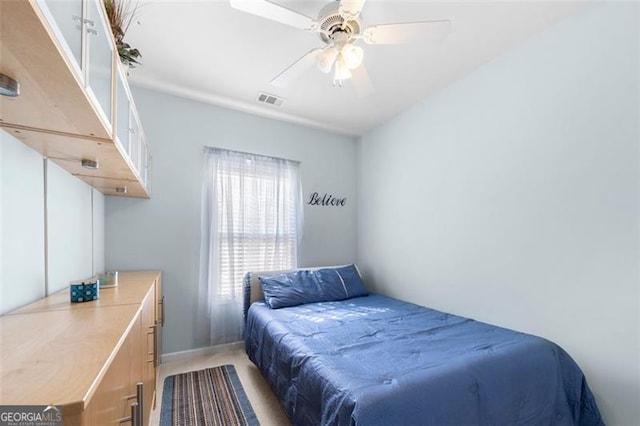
(140, 394)
(134, 418)
(137, 411)
(153, 331)
(156, 346)
(162, 312)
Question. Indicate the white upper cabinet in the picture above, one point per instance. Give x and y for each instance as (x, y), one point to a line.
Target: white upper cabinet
(134, 140)
(129, 133)
(100, 47)
(124, 105)
(82, 26)
(145, 165)
(68, 16)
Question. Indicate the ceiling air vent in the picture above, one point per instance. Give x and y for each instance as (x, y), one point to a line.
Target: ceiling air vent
(266, 98)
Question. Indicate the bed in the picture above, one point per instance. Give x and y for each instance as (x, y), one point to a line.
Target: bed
(367, 359)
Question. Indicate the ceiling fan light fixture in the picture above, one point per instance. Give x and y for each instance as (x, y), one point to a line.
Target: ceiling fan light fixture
(352, 56)
(339, 26)
(326, 58)
(342, 72)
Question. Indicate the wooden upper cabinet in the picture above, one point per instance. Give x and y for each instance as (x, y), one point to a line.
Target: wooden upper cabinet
(52, 95)
(74, 100)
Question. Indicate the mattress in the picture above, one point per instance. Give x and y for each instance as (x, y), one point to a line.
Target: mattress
(375, 360)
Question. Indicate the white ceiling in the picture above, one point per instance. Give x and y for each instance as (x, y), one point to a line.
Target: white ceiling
(208, 51)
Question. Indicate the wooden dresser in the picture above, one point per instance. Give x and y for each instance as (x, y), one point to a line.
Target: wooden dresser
(98, 360)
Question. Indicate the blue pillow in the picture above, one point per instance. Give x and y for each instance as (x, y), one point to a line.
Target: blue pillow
(347, 278)
(304, 286)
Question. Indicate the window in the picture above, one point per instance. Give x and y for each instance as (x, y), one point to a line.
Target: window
(251, 220)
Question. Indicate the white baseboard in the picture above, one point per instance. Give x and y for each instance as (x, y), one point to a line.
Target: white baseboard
(209, 350)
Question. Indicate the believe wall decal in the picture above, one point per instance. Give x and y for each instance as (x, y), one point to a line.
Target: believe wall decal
(326, 200)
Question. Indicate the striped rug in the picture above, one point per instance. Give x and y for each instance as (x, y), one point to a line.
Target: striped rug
(210, 397)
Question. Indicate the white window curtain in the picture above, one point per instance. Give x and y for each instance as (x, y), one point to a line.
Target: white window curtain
(251, 220)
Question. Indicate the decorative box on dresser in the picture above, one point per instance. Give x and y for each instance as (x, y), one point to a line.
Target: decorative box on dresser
(98, 360)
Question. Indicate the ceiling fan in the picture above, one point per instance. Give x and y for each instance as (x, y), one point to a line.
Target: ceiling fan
(340, 27)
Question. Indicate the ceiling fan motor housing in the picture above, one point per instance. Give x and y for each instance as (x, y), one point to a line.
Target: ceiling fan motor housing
(331, 22)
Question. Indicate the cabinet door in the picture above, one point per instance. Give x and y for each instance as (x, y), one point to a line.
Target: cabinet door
(65, 18)
(122, 118)
(148, 171)
(134, 139)
(143, 162)
(112, 401)
(101, 58)
(159, 320)
(149, 354)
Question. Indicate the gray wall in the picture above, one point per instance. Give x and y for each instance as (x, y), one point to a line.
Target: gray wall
(512, 197)
(69, 228)
(97, 225)
(163, 232)
(22, 226)
(22, 205)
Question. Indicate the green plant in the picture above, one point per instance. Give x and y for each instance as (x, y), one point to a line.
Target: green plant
(121, 14)
(128, 55)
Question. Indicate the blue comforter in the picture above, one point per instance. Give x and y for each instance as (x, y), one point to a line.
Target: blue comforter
(380, 361)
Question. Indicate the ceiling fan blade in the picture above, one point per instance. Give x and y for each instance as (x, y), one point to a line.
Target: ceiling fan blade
(266, 9)
(406, 32)
(296, 69)
(361, 81)
(350, 9)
